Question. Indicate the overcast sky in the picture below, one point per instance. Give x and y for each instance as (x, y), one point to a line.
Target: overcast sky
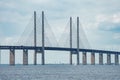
(99, 18)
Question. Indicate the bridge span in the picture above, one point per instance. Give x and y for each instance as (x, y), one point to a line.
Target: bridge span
(73, 51)
(56, 49)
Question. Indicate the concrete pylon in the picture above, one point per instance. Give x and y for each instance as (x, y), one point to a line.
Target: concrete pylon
(78, 58)
(71, 58)
(77, 40)
(92, 58)
(116, 59)
(84, 58)
(43, 40)
(101, 59)
(0, 56)
(71, 40)
(25, 57)
(108, 59)
(12, 57)
(35, 40)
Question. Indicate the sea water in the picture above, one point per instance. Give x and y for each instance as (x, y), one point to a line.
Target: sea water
(60, 72)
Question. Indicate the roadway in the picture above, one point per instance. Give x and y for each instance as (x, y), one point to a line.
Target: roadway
(57, 49)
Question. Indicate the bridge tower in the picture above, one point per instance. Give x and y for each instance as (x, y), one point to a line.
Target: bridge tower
(43, 42)
(71, 40)
(77, 40)
(35, 52)
(77, 51)
(35, 40)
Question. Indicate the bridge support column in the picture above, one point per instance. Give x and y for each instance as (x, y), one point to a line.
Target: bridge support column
(0, 56)
(43, 40)
(35, 39)
(35, 57)
(77, 40)
(70, 58)
(92, 58)
(43, 58)
(101, 59)
(71, 40)
(116, 59)
(108, 59)
(84, 58)
(12, 57)
(77, 58)
(25, 57)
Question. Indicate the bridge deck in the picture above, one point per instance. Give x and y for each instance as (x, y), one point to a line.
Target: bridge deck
(57, 49)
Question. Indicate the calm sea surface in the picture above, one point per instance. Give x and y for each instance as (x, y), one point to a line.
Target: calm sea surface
(60, 72)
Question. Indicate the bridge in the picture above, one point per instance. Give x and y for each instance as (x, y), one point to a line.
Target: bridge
(73, 50)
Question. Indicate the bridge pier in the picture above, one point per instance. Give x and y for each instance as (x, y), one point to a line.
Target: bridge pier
(116, 59)
(35, 57)
(77, 58)
(92, 58)
(108, 59)
(12, 57)
(71, 58)
(101, 59)
(25, 57)
(43, 57)
(84, 58)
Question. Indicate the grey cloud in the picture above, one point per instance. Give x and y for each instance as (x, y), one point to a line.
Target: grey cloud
(109, 26)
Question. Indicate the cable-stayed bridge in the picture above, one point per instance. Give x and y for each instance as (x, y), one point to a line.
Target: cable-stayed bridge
(38, 36)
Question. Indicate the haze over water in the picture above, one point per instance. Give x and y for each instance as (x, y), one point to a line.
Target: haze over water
(60, 72)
